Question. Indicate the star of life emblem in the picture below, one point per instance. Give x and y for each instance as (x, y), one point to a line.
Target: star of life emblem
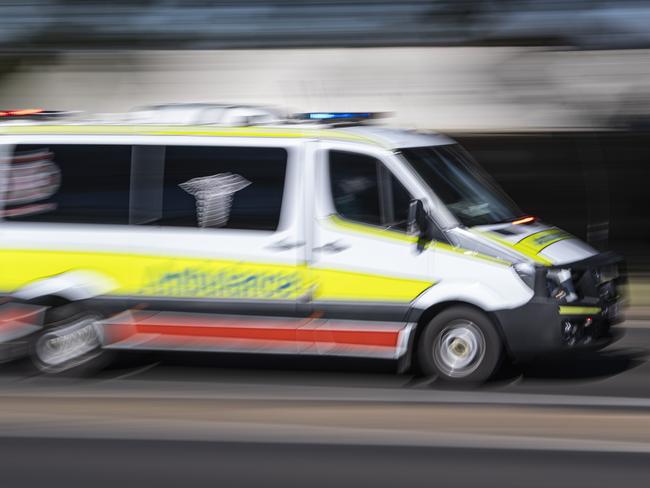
(214, 196)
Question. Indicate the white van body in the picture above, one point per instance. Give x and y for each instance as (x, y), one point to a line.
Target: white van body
(316, 280)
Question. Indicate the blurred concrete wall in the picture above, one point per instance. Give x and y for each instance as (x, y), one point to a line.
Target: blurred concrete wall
(444, 88)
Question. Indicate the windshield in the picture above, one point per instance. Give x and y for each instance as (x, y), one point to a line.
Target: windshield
(467, 191)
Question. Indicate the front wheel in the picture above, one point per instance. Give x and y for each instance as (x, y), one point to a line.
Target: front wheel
(460, 344)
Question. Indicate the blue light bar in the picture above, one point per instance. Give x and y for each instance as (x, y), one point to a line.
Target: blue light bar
(339, 115)
(336, 115)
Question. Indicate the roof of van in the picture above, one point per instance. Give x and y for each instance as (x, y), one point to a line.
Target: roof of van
(387, 138)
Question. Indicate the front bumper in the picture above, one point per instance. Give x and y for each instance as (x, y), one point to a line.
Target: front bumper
(544, 326)
(540, 327)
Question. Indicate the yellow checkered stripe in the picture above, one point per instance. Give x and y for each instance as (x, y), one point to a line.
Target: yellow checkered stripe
(384, 233)
(532, 245)
(182, 277)
(162, 130)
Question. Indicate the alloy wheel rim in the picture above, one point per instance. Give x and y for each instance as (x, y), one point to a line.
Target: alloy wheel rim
(459, 348)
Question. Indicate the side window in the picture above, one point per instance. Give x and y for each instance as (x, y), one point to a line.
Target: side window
(365, 191)
(223, 187)
(355, 187)
(68, 183)
(400, 202)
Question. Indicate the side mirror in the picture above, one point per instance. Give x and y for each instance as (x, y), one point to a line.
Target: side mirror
(419, 224)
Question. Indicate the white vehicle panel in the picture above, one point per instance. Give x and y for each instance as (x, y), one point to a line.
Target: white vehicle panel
(396, 138)
(488, 285)
(568, 251)
(72, 285)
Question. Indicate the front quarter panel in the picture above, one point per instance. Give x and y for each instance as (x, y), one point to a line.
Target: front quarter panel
(487, 284)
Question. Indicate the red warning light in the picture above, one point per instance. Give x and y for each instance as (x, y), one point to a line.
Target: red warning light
(524, 220)
(20, 112)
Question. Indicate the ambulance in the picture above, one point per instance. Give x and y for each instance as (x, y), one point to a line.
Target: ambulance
(317, 234)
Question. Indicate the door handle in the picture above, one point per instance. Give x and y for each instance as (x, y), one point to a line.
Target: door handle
(285, 245)
(332, 247)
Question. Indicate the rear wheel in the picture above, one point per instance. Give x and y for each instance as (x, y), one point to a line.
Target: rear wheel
(70, 342)
(460, 344)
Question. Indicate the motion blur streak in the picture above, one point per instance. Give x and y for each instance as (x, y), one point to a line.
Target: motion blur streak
(457, 88)
(113, 117)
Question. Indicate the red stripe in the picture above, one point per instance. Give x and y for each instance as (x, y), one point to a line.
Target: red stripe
(14, 317)
(357, 337)
(258, 329)
(218, 331)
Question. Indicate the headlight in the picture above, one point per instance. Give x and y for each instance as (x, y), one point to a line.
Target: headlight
(526, 272)
(560, 285)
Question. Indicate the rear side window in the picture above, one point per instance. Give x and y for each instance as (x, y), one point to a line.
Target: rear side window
(223, 187)
(68, 183)
(365, 191)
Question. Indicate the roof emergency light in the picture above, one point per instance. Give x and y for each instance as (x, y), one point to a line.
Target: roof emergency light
(21, 112)
(339, 116)
(32, 113)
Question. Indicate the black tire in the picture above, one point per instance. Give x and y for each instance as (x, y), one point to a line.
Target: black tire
(460, 345)
(61, 322)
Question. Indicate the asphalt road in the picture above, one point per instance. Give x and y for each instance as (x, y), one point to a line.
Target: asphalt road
(246, 420)
(99, 464)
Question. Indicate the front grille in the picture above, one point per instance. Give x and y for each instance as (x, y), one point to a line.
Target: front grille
(607, 291)
(591, 284)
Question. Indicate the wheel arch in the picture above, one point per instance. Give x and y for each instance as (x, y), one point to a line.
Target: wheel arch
(422, 317)
(70, 286)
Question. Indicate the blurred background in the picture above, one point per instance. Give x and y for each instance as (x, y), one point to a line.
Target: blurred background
(551, 96)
